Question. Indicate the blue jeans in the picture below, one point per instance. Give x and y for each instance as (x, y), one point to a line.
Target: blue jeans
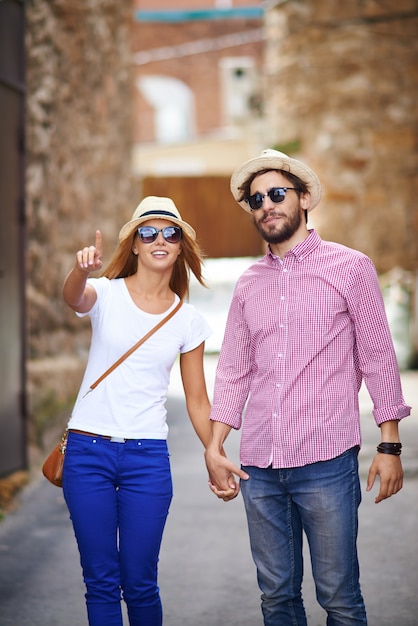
(321, 499)
(118, 495)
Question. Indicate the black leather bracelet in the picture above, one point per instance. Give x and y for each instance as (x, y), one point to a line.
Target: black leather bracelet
(390, 448)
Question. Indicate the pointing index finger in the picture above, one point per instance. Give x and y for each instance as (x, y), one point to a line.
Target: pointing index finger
(99, 244)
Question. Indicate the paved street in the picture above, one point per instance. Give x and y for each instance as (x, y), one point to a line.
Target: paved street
(207, 577)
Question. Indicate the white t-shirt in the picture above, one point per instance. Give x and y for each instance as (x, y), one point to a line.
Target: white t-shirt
(130, 401)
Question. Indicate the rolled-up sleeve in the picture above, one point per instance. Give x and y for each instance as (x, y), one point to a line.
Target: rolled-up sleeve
(376, 353)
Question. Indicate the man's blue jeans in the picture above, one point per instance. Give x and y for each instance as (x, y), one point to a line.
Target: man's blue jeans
(321, 499)
(118, 495)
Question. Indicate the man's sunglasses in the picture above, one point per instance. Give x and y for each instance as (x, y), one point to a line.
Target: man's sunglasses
(276, 195)
(148, 234)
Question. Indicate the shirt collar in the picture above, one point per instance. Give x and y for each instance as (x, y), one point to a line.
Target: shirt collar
(302, 249)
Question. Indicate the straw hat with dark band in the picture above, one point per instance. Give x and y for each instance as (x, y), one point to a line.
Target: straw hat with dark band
(275, 160)
(154, 207)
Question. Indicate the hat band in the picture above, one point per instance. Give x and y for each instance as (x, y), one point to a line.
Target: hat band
(159, 213)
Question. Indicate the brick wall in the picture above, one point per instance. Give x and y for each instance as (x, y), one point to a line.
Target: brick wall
(200, 72)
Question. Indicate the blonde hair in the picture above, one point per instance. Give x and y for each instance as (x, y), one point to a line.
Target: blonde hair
(124, 263)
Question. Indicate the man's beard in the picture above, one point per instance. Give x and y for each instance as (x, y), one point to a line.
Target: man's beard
(288, 229)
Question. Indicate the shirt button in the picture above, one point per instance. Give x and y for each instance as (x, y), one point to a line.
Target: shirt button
(281, 297)
(280, 355)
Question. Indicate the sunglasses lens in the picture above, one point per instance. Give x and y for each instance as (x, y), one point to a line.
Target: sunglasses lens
(172, 234)
(147, 234)
(277, 194)
(256, 201)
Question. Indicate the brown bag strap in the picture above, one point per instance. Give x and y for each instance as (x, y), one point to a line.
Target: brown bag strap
(135, 347)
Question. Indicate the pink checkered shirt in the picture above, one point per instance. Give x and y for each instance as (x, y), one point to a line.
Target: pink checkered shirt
(301, 335)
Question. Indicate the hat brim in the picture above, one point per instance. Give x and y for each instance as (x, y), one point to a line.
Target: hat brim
(130, 227)
(275, 161)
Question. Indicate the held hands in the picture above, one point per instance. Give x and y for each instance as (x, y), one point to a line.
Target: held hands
(89, 259)
(389, 469)
(222, 474)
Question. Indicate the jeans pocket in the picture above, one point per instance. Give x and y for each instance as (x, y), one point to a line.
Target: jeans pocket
(79, 444)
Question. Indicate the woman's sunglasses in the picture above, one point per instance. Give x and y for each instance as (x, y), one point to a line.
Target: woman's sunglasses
(276, 195)
(148, 234)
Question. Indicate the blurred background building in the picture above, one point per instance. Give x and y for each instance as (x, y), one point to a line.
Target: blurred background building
(105, 102)
(199, 110)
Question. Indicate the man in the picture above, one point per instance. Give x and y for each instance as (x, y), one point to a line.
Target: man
(306, 325)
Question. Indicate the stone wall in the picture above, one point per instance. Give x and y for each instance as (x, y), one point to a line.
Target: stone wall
(79, 136)
(342, 86)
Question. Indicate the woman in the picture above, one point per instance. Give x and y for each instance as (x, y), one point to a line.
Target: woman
(117, 480)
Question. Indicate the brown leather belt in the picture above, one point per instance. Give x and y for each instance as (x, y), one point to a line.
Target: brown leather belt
(113, 439)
